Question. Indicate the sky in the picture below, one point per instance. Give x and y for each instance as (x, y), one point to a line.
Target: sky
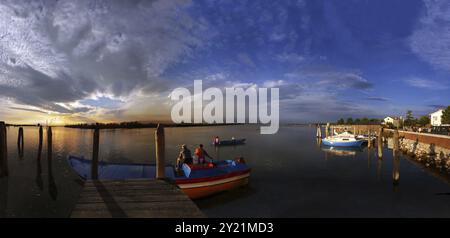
(64, 62)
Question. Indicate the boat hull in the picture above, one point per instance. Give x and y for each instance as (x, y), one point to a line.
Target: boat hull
(208, 188)
(356, 143)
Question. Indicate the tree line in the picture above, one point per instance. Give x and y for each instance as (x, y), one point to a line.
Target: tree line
(362, 121)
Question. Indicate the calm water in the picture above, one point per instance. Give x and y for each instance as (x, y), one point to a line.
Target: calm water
(291, 177)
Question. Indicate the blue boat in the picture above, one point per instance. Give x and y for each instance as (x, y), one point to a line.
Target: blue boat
(342, 140)
(196, 181)
(230, 142)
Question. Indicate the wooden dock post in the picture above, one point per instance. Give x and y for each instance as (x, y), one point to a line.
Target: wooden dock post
(319, 131)
(380, 143)
(3, 151)
(95, 151)
(160, 152)
(20, 142)
(327, 130)
(40, 142)
(369, 143)
(49, 143)
(396, 143)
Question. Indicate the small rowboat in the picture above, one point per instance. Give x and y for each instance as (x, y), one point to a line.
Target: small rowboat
(342, 140)
(196, 181)
(230, 142)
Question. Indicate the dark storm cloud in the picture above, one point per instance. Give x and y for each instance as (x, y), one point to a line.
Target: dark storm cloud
(27, 110)
(55, 52)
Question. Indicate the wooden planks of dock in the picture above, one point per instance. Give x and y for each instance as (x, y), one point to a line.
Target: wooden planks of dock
(135, 199)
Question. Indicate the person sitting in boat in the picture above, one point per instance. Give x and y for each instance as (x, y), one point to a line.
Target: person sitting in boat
(201, 154)
(216, 141)
(185, 156)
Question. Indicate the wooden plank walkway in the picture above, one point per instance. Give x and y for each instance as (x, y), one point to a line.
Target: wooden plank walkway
(134, 198)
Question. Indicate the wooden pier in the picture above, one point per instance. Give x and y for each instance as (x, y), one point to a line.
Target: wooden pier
(134, 199)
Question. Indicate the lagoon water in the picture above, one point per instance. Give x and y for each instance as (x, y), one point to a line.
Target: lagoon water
(292, 176)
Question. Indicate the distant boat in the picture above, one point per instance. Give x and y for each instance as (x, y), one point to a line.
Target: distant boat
(230, 142)
(342, 140)
(196, 181)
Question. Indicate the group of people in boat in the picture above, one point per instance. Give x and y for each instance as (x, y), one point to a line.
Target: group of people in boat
(186, 157)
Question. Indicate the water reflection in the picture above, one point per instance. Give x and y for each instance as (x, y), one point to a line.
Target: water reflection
(396, 172)
(379, 166)
(289, 176)
(341, 151)
(3, 197)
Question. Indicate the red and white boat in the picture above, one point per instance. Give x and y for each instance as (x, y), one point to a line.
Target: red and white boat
(202, 181)
(196, 181)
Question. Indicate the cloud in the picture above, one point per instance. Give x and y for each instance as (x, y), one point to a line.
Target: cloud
(53, 53)
(425, 84)
(28, 110)
(380, 99)
(431, 40)
(290, 58)
(347, 80)
(436, 106)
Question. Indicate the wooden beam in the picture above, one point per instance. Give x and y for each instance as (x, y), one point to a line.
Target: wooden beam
(95, 151)
(3, 151)
(160, 152)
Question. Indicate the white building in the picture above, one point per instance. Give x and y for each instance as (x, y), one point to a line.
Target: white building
(391, 120)
(436, 118)
(388, 120)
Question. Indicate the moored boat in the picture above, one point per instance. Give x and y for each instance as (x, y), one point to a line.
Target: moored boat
(196, 181)
(230, 142)
(342, 140)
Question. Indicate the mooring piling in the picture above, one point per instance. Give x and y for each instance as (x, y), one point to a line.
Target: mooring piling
(319, 131)
(20, 142)
(40, 142)
(95, 151)
(49, 143)
(380, 143)
(395, 143)
(3, 150)
(160, 152)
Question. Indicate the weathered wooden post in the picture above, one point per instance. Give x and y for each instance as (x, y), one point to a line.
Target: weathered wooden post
(327, 130)
(95, 151)
(380, 143)
(20, 142)
(40, 142)
(160, 152)
(319, 131)
(396, 143)
(369, 143)
(3, 150)
(49, 143)
(20, 138)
